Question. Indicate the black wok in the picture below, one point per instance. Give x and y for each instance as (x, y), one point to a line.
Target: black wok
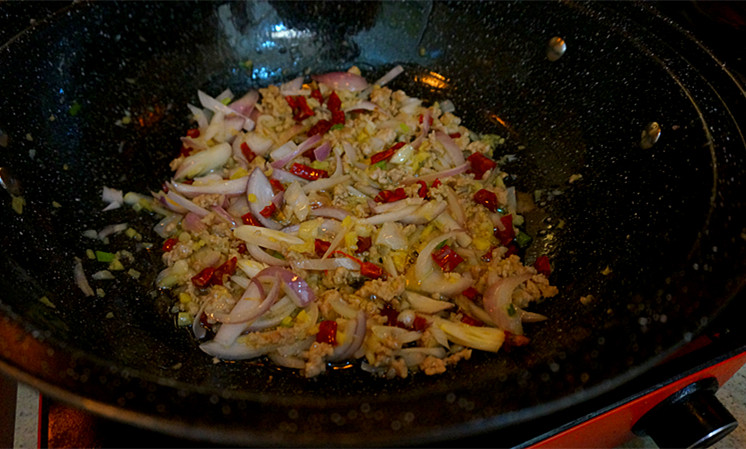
(652, 234)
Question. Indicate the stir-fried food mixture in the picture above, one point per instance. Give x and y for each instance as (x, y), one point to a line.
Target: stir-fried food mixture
(339, 221)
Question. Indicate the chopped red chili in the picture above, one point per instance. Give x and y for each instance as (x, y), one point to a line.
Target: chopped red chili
(321, 127)
(542, 265)
(249, 219)
(327, 332)
(202, 279)
(242, 248)
(247, 152)
(333, 102)
(316, 93)
(436, 183)
(306, 172)
(487, 199)
(371, 270)
(454, 135)
(471, 293)
(487, 257)
(422, 191)
(389, 196)
(514, 341)
(185, 151)
(512, 249)
(338, 118)
(363, 244)
(268, 211)
(480, 164)
(169, 244)
(466, 319)
(193, 133)
(227, 268)
(386, 154)
(298, 104)
(446, 258)
(505, 236)
(320, 246)
(277, 186)
(419, 323)
(430, 120)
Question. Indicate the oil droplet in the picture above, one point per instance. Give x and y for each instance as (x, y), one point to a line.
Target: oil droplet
(556, 48)
(650, 135)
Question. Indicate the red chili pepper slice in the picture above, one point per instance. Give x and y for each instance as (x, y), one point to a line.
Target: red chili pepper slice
(363, 244)
(306, 172)
(389, 196)
(169, 244)
(543, 266)
(487, 199)
(202, 279)
(277, 186)
(316, 93)
(321, 127)
(385, 154)
(193, 133)
(508, 234)
(333, 102)
(321, 246)
(446, 258)
(268, 211)
(487, 257)
(327, 332)
(249, 219)
(371, 270)
(430, 120)
(420, 323)
(185, 151)
(471, 293)
(242, 248)
(454, 135)
(466, 319)
(436, 183)
(338, 118)
(247, 152)
(422, 191)
(512, 249)
(298, 104)
(227, 268)
(480, 164)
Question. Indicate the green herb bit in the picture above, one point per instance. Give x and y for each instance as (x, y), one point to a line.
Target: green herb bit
(103, 256)
(75, 108)
(336, 127)
(511, 310)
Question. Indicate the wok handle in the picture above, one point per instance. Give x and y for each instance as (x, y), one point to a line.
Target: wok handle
(690, 418)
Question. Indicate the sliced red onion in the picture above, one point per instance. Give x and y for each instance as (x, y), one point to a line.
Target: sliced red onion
(434, 281)
(322, 151)
(530, 317)
(454, 152)
(424, 130)
(390, 75)
(224, 215)
(352, 156)
(232, 351)
(261, 189)
(342, 80)
(292, 284)
(291, 86)
(380, 208)
(192, 223)
(297, 201)
(361, 105)
(186, 204)
(424, 304)
(225, 187)
(262, 256)
(80, 280)
(259, 144)
(454, 205)
(287, 177)
(193, 143)
(498, 299)
(287, 361)
(245, 104)
(111, 229)
(274, 316)
(425, 213)
(330, 212)
(166, 226)
(114, 197)
(325, 264)
(259, 235)
(355, 331)
(390, 216)
(215, 105)
(325, 183)
(438, 175)
(197, 329)
(204, 161)
(199, 116)
(300, 149)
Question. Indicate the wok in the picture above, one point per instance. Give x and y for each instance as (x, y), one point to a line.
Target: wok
(651, 233)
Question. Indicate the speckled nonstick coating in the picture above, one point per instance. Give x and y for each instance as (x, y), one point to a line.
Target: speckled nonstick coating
(652, 234)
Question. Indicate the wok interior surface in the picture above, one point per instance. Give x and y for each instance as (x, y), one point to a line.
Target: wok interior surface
(649, 233)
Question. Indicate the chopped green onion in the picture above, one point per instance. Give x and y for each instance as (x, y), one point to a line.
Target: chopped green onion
(336, 127)
(511, 310)
(103, 256)
(74, 108)
(523, 239)
(381, 165)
